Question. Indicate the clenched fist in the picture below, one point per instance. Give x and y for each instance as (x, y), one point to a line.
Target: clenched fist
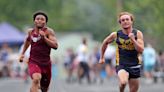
(21, 58)
(101, 61)
(131, 36)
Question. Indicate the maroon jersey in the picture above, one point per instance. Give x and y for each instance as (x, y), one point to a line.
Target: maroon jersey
(40, 51)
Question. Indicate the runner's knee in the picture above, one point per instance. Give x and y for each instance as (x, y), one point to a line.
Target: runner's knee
(36, 81)
(123, 77)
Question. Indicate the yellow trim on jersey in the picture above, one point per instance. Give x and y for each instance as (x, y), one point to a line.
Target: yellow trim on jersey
(117, 56)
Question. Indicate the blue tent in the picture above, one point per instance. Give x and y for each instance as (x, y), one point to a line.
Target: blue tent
(10, 34)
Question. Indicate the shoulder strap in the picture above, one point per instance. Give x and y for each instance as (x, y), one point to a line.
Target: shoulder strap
(29, 34)
(118, 33)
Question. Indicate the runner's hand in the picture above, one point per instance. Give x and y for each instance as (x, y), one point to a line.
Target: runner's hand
(101, 61)
(42, 33)
(21, 58)
(131, 36)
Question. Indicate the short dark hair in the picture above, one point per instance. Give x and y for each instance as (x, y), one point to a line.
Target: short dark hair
(40, 13)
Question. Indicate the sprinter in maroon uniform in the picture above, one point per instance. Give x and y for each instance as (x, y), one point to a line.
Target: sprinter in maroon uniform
(42, 39)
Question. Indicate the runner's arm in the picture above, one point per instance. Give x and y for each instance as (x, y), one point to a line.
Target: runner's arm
(25, 46)
(139, 43)
(51, 39)
(105, 43)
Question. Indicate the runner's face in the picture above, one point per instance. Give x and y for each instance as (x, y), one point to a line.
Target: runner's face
(40, 21)
(125, 21)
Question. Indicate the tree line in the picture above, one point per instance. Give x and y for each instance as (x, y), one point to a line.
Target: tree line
(98, 17)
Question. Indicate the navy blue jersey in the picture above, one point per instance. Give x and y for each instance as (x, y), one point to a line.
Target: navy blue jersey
(126, 53)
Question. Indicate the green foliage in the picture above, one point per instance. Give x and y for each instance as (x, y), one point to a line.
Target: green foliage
(149, 18)
(98, 17)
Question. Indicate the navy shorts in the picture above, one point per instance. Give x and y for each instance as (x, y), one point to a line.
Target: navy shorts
(108, 61)
(134, 71)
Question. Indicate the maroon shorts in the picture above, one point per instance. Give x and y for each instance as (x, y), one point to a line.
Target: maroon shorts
(45, 72)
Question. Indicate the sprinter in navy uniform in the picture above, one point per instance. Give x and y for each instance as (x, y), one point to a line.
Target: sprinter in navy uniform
(130, 45)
